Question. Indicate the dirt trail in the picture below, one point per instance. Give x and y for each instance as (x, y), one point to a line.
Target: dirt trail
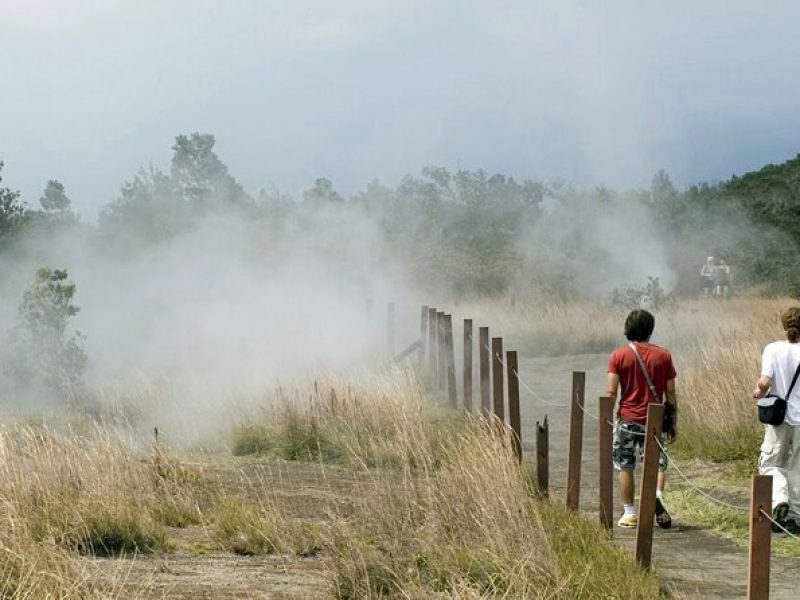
(693, 562)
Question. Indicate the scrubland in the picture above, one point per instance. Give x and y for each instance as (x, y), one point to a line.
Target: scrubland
(437, 505)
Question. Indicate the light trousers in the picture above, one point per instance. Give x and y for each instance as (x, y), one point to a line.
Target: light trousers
(780, 457)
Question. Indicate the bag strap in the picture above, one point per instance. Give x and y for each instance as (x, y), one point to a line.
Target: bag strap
(650, 380)
(794, 380)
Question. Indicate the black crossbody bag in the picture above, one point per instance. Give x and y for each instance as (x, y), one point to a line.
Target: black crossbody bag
(772, 408)
(668, 425)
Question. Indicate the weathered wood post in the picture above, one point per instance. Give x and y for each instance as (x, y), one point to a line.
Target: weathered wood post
(390, 330)
(606, 468)
(647, 489)
(432, 344)
(467, 365)
(441, 354)
(760, 535)
(485, 372)
(452, 391)
(575, 440)
(514, 418)
(423, 336)
(543, 457)
(497, 379)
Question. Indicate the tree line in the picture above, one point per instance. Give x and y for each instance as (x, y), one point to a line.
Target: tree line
(463, 232)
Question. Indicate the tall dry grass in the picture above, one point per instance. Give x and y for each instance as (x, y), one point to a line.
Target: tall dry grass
(718, 365)
(63, 494)
(442, 508)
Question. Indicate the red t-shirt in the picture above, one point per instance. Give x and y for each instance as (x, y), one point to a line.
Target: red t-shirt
(634, 394)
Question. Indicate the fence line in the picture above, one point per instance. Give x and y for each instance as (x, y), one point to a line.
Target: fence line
(492, 356)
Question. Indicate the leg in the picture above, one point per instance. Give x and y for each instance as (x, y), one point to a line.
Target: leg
(624, 454)
(793, 474)
(774, 459)
(663, 517)
(626, 485)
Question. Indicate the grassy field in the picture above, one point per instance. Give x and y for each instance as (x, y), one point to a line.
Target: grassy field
(436, 505)
(422, 502)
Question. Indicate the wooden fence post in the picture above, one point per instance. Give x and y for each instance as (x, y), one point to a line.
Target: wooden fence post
(485, 372)
(647, 489)
(423, 336)
(390, 329)
(432, 344)
(514, 418)
(543, 457)
(575, 440)
(467, 365)
(441, 355)
(760, 536)
(497, 378)
(606, 468)
(452, 391)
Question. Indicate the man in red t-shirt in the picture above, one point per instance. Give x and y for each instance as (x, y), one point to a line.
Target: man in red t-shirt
(625, 372)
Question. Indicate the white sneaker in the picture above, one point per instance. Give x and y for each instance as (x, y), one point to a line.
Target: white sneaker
(628, 520)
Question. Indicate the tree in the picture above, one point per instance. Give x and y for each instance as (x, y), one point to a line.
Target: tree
(199, 176)
(42, 352)
(147, 210)
(322, 194)
(12, 211)
(54, 199)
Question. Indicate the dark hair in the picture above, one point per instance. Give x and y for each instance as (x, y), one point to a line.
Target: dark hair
(790, 319)
(640, 324)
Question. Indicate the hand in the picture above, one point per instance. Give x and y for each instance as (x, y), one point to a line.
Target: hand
(758, 393)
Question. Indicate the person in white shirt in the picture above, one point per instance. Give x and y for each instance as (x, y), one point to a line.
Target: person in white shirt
(708, 276)
(780, 451)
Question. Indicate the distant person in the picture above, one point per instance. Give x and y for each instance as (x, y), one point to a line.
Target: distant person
(780, 451)
(625, 372)
(722, 279)
(708, 277)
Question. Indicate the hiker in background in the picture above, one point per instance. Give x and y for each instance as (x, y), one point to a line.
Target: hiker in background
(780, 455)
(708, 276)
(722, 279)
(644, 373)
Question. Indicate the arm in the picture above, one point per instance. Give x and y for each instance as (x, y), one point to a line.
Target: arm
(672, 398)
(767, 370)
(612, 385)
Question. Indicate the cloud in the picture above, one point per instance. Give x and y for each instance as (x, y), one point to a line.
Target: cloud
(594, 92)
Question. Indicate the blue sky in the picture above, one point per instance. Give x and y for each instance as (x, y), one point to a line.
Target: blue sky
(592, 92)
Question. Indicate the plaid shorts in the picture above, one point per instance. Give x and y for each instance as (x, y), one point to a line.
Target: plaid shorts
(629, 444)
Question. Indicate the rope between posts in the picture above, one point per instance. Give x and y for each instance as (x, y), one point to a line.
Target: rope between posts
(524, 384)
(693, 485)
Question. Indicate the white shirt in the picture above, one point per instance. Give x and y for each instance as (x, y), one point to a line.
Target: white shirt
(779, 362)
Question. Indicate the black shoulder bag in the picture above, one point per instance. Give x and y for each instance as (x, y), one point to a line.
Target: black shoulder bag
(670, 414)
(772, 408)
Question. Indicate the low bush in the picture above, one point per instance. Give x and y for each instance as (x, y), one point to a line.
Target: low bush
(247, 528)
